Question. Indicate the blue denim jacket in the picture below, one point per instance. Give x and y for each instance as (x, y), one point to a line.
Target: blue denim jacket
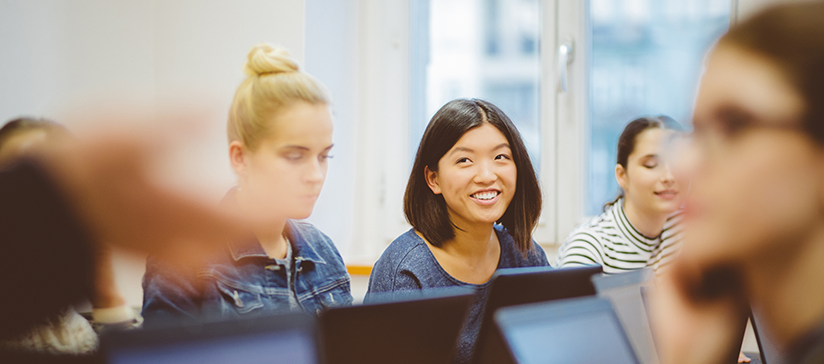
(243, 280)
(408, 264)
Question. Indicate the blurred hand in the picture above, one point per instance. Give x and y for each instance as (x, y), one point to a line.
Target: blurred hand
(697, 317)
(106, 177)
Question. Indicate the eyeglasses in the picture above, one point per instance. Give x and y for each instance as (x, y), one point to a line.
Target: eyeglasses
(732, 125)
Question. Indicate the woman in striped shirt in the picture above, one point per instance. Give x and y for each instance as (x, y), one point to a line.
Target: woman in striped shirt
(640, 228)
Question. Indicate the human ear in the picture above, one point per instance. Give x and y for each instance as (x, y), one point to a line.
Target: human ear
(237, 157)
(621, 176)
(432, 180)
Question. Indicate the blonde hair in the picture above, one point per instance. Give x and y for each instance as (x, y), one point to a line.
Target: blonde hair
(274, 81)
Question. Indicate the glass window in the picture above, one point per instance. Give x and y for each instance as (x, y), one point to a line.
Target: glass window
(645, 58)
(485, 49)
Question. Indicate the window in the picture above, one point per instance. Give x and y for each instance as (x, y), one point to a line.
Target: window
(484, 49)
(645, 58)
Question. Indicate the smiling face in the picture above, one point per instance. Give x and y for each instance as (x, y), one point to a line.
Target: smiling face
(647, 181)
(756, 177)
(283, 176)
(476, 177)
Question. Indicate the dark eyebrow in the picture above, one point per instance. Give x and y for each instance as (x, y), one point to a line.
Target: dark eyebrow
(461, 149)
(465, 149)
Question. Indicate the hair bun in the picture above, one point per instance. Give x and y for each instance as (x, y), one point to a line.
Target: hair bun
(265, 59)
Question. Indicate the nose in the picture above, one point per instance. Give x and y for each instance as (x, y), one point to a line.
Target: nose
(316, 173)
(668, 177)
(485, 174)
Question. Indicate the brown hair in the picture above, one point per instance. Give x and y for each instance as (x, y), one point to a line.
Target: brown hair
(792, 37)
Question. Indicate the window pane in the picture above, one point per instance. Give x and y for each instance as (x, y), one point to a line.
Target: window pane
(485, 49)
(645, 59)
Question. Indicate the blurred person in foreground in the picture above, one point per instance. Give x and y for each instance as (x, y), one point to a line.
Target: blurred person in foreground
(755, 212)
(59, 203)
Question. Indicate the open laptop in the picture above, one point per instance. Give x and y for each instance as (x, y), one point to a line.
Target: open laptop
(282, 338)
(419, 329)
(623, 290)
(517, 286)
(579, 330)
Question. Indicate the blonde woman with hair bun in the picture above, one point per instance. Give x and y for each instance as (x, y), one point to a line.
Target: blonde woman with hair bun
(280, 137)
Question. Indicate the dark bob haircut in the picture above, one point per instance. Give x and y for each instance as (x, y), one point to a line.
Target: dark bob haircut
(427, 212)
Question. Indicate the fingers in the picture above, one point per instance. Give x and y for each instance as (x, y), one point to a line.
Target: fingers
(106, 176)
(684, 318)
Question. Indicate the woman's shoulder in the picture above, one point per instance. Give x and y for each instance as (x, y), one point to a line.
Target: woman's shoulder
(307, 231)
(405, 249)
(311, 240)
(402, 266)
(594, 229)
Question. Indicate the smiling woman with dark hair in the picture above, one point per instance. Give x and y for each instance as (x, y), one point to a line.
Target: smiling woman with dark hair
(472, 200)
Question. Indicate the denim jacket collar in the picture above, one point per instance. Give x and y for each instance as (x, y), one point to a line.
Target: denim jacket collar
(301, 250)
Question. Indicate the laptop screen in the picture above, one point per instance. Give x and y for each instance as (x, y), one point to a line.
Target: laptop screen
(591, 336)
(267, 347)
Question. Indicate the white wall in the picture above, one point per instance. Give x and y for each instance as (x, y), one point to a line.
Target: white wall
(332, 57)
(358, 48)
(56, 54)
(57, 57)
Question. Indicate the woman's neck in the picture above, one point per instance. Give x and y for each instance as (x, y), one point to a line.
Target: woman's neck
(473, 243)
(472, 255)
(786, 287)
(648, 224)
(272, 240)
(269, 234)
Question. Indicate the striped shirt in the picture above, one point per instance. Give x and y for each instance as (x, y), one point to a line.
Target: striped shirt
(611, 241)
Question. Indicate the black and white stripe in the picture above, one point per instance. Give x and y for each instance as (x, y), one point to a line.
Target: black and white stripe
(611, 241)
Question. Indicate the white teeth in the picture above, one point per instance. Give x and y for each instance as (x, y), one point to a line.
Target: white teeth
(485, 195)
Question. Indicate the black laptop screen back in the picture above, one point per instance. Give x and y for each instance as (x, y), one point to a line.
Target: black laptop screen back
(520, 286)
(411, 331)
(528, 285)
(282, 347)
(281, 338)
